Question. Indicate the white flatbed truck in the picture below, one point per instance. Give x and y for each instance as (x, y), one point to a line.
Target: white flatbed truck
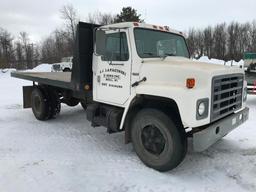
(139, 78)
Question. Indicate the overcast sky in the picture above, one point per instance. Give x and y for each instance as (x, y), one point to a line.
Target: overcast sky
(40, 17)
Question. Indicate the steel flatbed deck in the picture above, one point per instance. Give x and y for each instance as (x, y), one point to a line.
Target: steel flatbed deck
(56, 79)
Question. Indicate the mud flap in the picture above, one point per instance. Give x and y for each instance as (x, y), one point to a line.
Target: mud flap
(27, 90)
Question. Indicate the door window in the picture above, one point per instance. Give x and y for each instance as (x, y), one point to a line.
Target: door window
(116, 47)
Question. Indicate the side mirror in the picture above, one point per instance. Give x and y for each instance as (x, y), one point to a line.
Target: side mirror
(100, 42)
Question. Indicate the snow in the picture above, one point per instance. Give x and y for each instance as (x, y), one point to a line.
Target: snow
(220, 62)
(66, 154)
(42, 68)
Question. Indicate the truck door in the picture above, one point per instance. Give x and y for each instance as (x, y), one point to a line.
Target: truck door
(112, 76)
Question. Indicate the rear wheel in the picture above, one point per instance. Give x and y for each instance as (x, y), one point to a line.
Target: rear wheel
(40, 104)
(54, 103)
(45, 103)
(157, 140)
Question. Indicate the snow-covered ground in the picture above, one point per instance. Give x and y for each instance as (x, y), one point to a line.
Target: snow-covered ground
(67, 155)
(221, 62)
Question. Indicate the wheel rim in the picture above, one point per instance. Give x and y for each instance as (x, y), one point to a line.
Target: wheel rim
(153, 140)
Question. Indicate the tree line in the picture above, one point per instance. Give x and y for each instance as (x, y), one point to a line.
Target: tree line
(226, 42)
(22, 53)
(223, 41)
(18, 53)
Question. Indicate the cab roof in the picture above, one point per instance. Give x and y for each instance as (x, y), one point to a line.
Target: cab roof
(142, 25)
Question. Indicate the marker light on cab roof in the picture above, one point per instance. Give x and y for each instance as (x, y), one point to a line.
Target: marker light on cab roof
(135, 24)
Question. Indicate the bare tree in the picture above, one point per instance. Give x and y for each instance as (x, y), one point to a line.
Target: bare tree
(220, 39)
(69, 14)
(101, 18)
(106, 18)
(93, 17)
(6, 49)
(57, 45)
(48, 51)
(191, 40)
(253, 37)
(199, 43)
(233, 33)
(243, 40)
(208, 41)
(26, 52)
(26, 49)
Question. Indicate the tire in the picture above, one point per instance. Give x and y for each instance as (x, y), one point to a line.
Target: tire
(40, 105)
(169, 140)
(84, 105)
(66, 70)
(54, 103)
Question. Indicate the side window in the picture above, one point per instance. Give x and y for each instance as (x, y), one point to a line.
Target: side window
(116, 47)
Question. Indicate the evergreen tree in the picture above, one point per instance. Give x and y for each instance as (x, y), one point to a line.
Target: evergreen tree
(128, 14)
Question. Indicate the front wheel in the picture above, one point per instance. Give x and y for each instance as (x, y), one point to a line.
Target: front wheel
(157, 140)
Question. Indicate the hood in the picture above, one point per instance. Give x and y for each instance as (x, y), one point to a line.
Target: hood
(175, 70)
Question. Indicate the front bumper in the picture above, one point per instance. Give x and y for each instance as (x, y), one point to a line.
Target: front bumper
(206, 137)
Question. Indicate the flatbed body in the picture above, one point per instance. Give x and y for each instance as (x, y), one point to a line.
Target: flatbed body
(56, 79)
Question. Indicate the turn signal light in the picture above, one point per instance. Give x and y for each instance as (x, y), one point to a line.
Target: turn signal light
(191, 82)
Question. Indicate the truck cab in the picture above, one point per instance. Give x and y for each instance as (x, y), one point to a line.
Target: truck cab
(139, 78)
(141, 59)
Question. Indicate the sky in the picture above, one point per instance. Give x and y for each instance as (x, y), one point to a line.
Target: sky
(40, 17)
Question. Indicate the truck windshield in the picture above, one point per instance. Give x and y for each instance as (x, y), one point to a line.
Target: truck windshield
(152, 43)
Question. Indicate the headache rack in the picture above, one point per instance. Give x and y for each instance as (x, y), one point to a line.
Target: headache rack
(227, 95)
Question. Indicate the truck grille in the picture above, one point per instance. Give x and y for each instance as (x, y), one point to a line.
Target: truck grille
(226, 95)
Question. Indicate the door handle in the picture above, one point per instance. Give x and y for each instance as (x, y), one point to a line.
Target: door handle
(138, 82)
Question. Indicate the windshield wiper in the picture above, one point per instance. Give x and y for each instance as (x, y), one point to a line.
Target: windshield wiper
(166, 55)
(161, 56)
(148, 53)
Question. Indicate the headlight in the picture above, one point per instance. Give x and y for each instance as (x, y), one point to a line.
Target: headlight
(202, 108)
